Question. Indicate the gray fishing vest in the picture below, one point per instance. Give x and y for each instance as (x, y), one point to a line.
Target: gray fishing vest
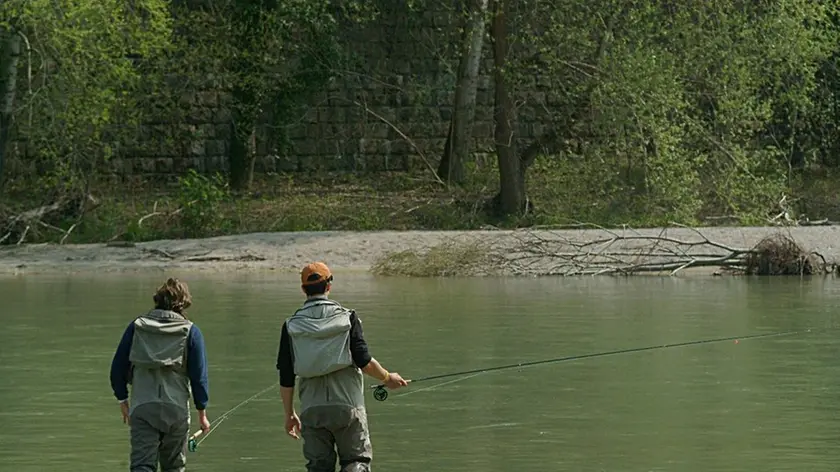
(159, 360)
(320, 337)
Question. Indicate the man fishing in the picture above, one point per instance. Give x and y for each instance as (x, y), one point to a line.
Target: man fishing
(161, 354)
(323, 344)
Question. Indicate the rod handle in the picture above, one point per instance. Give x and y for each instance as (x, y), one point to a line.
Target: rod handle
(374, 387)
(192, 444)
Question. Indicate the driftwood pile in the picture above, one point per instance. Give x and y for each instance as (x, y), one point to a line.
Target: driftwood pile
(559, 253)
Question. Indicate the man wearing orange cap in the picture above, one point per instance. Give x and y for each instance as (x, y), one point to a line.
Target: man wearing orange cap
(324, 346)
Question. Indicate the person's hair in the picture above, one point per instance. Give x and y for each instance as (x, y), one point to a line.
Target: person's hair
(317, 289)
(174, 295)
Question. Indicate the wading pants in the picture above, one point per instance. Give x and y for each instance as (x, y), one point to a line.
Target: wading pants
(159, 435)
(336, 432)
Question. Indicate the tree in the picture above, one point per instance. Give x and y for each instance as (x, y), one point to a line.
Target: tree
(459, 139)
(513, 166)
(673, 107)
(270, 57)
(83, 63)
(9, 56)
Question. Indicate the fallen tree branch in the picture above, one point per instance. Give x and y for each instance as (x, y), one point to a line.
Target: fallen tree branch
(19, 226)
(155, 212)
(556, 253)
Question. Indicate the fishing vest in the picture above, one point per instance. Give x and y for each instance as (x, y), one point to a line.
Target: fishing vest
(320, 338)
(159, 360)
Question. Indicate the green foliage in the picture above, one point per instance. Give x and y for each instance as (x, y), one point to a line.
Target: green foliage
(200, 199)
(269, 57)
(707, 101)
(76, 99)
(692, 109)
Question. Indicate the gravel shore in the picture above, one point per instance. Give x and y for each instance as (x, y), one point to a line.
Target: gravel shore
(350, 251)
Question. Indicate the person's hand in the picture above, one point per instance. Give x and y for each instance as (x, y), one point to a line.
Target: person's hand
(124, 411)
(293, 426)
(394, 381)
(203, 422)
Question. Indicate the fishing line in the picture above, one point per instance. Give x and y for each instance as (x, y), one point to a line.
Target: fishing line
(381, 393)
(194, 440)
(432, 387)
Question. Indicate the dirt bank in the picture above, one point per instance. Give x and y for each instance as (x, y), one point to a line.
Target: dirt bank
(344, 251)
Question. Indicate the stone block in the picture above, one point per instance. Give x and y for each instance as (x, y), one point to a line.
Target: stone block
(307, 147)
(378, 130)
(221, 115)
(206, 131)
(401, 147)
(147, 165)
(208, 99)
(354, 114)
(553, 99)
(215, 164)
(215, 147)
(285, 163)
(388, 113)
(314, 131)
(331, 115)
(200, 115)
(186, 99)
(163, 165)
(482, 129)
(296, 132)
(485, 113)
(310, 116)
(197, 148)
(223, 131)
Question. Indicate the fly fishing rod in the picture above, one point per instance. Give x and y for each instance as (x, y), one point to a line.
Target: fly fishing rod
(381, 393)
(194, 441)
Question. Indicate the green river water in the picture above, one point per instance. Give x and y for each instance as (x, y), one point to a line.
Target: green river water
(770, 404)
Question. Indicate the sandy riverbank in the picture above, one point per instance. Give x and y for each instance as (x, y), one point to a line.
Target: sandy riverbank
(345, 251)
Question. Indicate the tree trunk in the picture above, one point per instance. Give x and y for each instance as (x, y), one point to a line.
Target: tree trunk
(241, 156)
(458, 141)
(10, 49)
(513, 166)
(511, 197)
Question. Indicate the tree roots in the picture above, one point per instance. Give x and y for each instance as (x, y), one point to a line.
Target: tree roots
(781, 255)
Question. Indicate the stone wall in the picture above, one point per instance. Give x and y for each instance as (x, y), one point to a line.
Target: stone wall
(402, 84)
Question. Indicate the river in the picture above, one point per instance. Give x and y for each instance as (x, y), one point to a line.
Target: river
(754, 404)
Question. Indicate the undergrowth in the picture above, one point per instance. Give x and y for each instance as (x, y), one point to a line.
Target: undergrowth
(197, 206)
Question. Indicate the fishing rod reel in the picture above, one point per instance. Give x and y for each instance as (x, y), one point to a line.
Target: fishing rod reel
(380, 393)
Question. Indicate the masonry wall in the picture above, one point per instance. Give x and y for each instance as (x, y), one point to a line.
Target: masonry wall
(404, 85)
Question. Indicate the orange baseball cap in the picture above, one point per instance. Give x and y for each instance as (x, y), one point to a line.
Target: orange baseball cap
(314, 273)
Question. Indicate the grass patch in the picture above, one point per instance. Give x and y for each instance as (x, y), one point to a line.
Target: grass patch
(450, 259)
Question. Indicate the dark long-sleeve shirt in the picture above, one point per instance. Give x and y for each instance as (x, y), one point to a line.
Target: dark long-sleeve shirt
(196, 366)
(285, 357)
